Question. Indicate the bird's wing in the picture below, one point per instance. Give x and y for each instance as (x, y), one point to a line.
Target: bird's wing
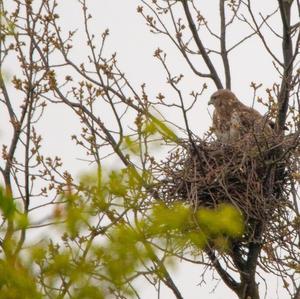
(252, 121)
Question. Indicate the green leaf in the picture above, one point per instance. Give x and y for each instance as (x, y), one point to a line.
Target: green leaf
(150, 128)
(116, 184)
(197, 238)
(166, 219)
(131, 145)
(123, 253)
(135, 181)
(163, 129)
(88, 292)
(61, 263)
(76, 214)
(22, 221)
(16, 281)
(7, 204)
(10, 27)
(224, 220)
(38, 254)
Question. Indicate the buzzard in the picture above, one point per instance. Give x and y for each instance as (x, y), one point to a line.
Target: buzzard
(232, 120)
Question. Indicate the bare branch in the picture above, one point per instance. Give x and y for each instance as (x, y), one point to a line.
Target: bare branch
(200, 45)
(287, 49)
(229, 281)
(224, 52)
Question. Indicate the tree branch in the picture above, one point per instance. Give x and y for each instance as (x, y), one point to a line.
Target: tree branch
(226, 277)
(287, 49)
(163, 273)
(200, 46)
(297, 294)
(224, 52)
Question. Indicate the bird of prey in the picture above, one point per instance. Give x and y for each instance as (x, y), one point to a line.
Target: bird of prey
(232, 120)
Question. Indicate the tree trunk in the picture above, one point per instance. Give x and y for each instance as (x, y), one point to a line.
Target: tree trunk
(249, 289)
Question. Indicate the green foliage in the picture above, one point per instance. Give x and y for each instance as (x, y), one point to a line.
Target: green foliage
(165, 219)
(131, 145)
(154, 125)
(76, 216)
(221, 224)
(21, 221)
(88, 292)
(123, 253)
(7, 204)
(8, 27)
(225, 220)
(17, 281)
(117, 185)
(187, 227)
(113, 253)
(38, 254)
(60, 264)
(9, 210)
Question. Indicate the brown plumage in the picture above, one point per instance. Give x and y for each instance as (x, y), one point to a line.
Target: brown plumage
(232, 120)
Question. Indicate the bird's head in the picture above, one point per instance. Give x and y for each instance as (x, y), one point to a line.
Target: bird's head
(221, 97)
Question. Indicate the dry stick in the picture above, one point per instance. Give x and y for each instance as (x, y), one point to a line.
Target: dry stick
(200, 45)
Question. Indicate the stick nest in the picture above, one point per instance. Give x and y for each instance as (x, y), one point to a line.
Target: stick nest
(206, 173)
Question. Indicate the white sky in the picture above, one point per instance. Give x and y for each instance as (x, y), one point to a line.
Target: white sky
(135, 46)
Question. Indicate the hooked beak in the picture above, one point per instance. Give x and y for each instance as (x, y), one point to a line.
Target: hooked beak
(211, 101)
